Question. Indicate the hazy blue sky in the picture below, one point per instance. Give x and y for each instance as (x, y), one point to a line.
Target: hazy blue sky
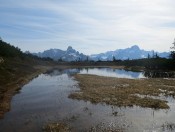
(90, 26)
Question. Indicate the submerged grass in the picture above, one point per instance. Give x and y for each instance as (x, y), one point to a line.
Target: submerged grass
(123, 92)
(56, 127)
(170, 127)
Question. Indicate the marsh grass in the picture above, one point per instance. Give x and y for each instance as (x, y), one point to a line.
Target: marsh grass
(56, 127)
(123, 92)
(168, 127)
(101, 127)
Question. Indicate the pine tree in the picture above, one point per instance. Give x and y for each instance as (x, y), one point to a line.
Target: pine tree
(87, 59)
(153, 54)
(114, 58)
(156, 56)
(172, 55)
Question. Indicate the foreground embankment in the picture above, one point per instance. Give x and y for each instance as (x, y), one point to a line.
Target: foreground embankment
(14, 73)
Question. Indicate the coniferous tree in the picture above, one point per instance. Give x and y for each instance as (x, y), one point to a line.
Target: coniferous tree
(114, 58)
(156, 56)
(172, 55)
(153, 54)
(8, 50)
(87, 59)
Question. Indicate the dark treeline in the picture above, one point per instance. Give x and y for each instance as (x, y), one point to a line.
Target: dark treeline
(151, 64)
(16, 69)
(7, 50)
(139, 64)
(155, 63)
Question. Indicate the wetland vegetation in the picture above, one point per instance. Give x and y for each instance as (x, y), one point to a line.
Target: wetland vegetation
(124, 92)
(130, 95)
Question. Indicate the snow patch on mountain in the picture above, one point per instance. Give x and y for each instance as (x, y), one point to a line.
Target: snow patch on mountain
(71, 54)
(56, 54)
(131, 53)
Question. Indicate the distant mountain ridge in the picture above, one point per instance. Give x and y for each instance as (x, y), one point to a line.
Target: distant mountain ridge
(56, 54)
(134, 52)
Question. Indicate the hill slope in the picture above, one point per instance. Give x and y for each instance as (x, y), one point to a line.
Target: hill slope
(16, 69)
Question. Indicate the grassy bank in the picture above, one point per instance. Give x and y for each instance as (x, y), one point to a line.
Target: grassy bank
(16, 69)
(124, 92)
(14, 73)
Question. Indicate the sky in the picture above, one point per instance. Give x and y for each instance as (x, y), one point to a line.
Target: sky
(89, 26)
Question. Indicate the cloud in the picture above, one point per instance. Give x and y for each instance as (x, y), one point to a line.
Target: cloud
(92, 26)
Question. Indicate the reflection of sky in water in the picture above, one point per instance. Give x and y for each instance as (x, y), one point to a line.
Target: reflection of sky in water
(112, 73)
(109, 72)
(99, 71)
(45, 100)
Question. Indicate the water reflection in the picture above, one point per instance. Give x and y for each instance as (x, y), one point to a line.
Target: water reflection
(159, 74)
(120, 73)
(57, 72)
(109, 72)
(45, 100)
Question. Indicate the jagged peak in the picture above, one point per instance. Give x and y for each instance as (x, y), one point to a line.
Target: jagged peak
(69, 48)
(135, 47)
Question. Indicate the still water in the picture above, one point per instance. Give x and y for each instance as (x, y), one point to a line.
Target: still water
(45, 100)
(120, 73)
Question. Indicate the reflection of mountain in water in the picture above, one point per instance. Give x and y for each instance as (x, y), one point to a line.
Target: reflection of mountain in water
(158, 74)
(57, 72)
(111, 73)
(128, 73)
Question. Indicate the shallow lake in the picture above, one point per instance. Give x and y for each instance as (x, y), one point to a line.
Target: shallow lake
(120, 73)
(45, 100)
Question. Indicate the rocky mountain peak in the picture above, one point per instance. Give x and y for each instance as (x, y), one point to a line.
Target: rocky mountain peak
(69, 48)
(135, 47)
(68, 55)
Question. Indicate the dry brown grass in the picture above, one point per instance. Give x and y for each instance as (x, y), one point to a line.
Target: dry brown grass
(56, 127)
(122, 92)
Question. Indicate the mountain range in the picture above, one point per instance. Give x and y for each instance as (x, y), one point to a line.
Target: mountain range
(56, 54)
(71, 54)
(131, 53)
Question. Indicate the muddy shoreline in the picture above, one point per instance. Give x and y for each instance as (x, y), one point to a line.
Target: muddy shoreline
(13, 87)
(45, 100)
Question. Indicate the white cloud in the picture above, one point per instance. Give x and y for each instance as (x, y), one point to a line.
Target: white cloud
(90, 26)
